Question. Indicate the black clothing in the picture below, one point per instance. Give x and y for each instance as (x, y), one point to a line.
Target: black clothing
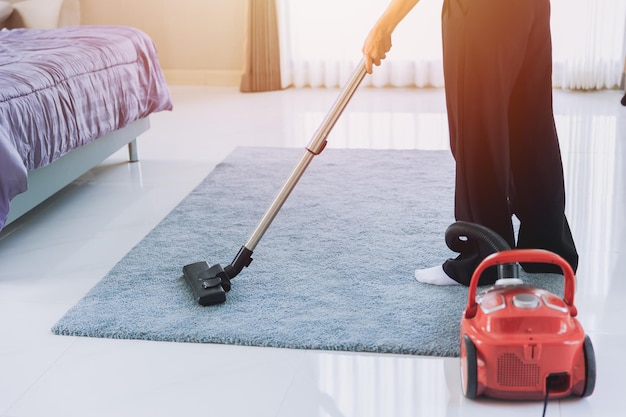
(498, 81)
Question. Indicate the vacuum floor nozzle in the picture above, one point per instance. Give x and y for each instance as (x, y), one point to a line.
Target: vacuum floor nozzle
(210, 284)
(207, 283)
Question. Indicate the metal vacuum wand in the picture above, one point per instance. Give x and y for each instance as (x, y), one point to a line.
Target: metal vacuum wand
(210, 284)
(315, 147)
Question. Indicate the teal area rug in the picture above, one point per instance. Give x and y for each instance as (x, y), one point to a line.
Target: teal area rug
(333, 272)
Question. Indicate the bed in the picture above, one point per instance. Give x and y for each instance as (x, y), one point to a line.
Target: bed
(69, 98)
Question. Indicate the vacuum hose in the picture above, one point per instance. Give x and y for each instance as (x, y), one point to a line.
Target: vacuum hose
(474, 243)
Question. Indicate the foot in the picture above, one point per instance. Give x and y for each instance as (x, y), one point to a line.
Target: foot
(434, 276)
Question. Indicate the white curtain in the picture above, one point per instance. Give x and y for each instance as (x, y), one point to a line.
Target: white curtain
(321, 42)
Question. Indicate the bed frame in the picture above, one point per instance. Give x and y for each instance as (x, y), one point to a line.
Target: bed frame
(46, 181)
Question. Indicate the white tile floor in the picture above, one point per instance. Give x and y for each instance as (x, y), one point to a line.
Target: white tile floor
(52, 257)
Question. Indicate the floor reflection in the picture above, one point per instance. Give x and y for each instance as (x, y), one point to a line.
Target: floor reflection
(369, 386)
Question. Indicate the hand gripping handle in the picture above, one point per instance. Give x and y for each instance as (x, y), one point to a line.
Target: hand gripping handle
(523, 255)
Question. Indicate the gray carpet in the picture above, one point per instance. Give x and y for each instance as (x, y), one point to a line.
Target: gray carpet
(333, 272)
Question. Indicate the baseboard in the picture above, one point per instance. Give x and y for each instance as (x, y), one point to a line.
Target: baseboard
(203, 77)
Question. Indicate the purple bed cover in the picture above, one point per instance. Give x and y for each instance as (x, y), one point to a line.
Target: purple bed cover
(63, 88)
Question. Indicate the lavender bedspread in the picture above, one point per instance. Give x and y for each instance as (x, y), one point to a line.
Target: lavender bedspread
(63, 88)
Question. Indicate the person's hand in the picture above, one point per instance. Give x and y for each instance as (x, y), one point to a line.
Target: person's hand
(376, 46)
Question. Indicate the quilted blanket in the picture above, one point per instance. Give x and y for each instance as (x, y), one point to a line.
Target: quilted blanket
(63, 88)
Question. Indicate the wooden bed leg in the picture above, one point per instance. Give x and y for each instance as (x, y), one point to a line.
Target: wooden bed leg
(133, 155)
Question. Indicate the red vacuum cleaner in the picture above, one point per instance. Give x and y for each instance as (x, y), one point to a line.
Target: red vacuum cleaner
(519, 342)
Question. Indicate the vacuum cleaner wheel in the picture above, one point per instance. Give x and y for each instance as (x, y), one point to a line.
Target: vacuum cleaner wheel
(469, 377)
(590, 367)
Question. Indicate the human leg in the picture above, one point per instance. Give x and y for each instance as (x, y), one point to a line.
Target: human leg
(536, 164)
(481, 41)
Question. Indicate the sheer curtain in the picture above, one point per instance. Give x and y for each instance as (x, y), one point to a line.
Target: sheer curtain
(321, 42)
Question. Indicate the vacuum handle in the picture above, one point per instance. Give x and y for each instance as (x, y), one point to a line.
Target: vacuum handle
(315, 147)
(318, 141)
(523, 255)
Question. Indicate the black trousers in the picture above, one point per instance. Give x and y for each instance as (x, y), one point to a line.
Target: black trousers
(498, 81)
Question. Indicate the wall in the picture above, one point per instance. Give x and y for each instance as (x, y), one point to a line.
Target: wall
(199, 42)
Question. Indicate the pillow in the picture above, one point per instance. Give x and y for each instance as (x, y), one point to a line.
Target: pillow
(6, 9)
(37, 14)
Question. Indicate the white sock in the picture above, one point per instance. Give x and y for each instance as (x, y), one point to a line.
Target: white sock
(435, 276)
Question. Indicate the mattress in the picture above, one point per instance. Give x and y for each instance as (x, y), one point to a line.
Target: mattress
(64, 88)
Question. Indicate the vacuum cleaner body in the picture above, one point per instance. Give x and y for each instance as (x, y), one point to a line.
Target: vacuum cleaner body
(523, 343)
